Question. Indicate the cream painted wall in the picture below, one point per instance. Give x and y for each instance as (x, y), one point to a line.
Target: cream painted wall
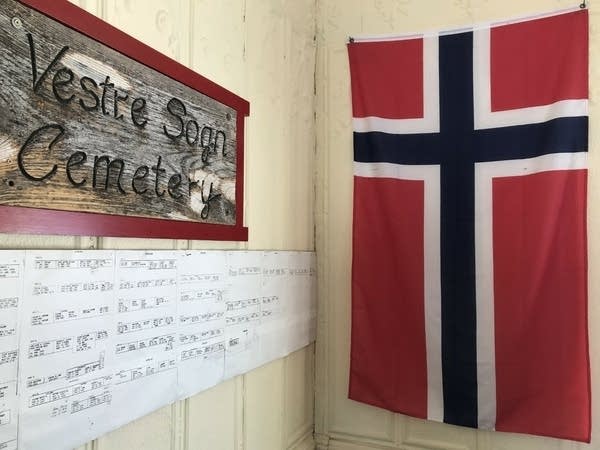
(342, 424)
(264, 51)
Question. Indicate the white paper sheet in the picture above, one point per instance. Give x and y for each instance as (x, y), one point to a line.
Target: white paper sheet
(242, 315)
(91, 340)
(201, 320)
(11, 292)
(65, 383)
(274, 327)
(302, 305)
(144, 357)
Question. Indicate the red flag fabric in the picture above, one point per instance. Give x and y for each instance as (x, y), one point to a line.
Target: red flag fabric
(469, 277)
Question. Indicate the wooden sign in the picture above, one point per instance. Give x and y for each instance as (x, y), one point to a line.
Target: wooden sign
(101, 135)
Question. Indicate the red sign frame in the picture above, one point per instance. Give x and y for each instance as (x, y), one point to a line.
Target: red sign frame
(25, 220)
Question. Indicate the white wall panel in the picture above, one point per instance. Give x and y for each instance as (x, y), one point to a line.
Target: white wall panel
(306, 443)
(263, 419)
(152, 432)
(28, 241)
(218, 42)
(280, 65)
(299, 399)
(434, 435)
(507, 441)
(91, 6)
(163, 25)
(214, 417)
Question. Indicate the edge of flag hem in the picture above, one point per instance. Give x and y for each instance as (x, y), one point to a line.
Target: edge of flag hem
(475, 27)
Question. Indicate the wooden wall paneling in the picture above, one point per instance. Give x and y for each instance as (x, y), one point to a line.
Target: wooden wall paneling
(179, 416)
(151, 432)
(214, 417)
(269, 122)
(162, 25)
(487, 440)
(336, 444)
(218, 45)
(94, 7)
(434, 435)
(263, 407)
(299, 396)
(136, 243)
(88, 446)
(23, 241)
(322, 348)
(306, 443)
(299, 64)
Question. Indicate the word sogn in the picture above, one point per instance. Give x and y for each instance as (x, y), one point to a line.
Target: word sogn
(105, 172)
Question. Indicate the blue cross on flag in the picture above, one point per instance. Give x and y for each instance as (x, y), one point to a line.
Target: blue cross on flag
(469, 279)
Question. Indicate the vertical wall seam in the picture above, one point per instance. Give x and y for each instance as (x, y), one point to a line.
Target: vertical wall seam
(102, 9)
(242, 441)
(244, 5)
(191, 33)
(185, 424)
(284, 401)
(315, 105)
(174, 427)
(316, 200)
(321, 239)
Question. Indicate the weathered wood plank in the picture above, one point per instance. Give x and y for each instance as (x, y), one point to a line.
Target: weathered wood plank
(85, 128)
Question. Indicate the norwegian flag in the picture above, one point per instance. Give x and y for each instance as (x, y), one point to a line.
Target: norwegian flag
(469, 278)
